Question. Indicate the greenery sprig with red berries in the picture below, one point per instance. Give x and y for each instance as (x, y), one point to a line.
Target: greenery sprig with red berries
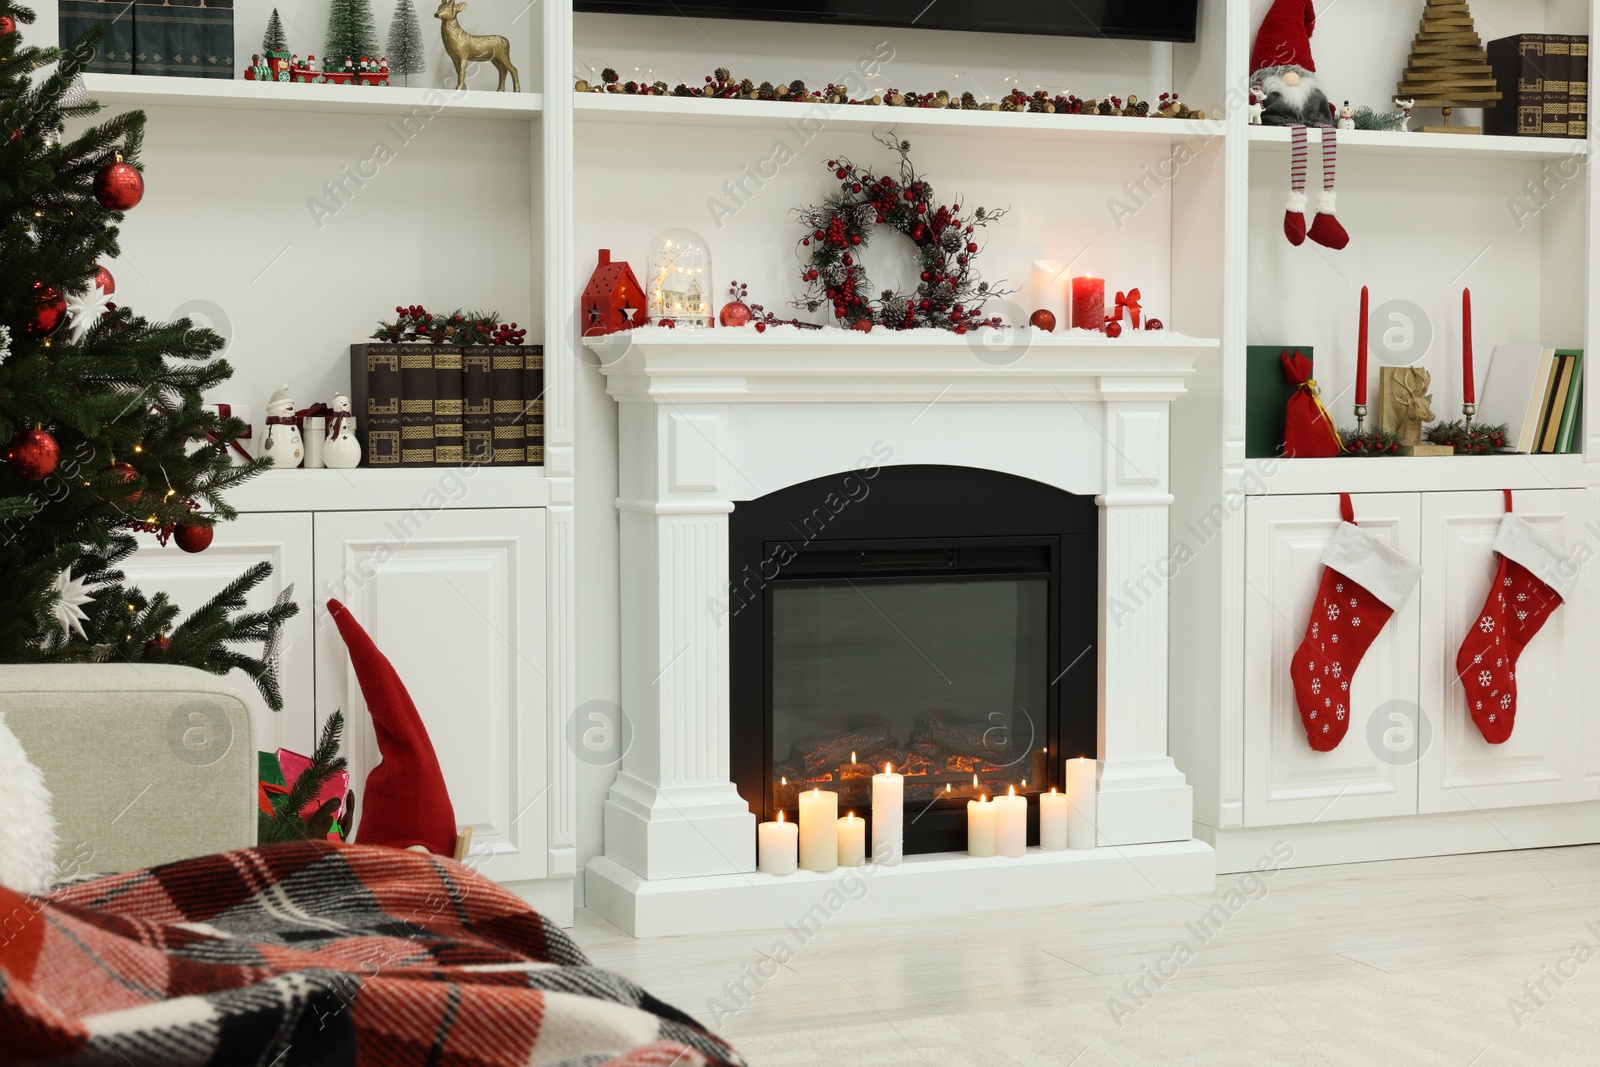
(1481, 441)
(949, 296)
(721, 85)
(415, 323)
(1370, 443)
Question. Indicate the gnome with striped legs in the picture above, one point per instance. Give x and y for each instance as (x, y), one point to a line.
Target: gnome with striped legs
(1285, 72)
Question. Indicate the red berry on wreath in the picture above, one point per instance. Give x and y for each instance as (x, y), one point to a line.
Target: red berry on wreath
(194, 537)
(1152, 324)
(1043, 320)
(1113, 329)
(972, 248)
(855, 238)
(33, 455)
(840, 173)
(119, 186)
(910, 195)
(855, 187)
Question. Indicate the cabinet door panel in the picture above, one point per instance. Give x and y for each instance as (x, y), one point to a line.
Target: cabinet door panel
(1286, 781)
(1541, 763)
(190, 580)
(456, 603)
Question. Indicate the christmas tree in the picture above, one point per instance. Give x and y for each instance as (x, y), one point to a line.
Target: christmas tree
(405, 42)
(108, 433)
(351, 33)
(274, 40)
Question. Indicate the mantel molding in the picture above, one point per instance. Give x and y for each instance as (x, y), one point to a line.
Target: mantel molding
(725, 366)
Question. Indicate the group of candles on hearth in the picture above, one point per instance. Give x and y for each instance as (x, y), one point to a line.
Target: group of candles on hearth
(998, 826)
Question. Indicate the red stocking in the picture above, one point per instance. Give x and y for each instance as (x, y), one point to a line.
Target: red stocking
(1528, 587)
(1365, 580)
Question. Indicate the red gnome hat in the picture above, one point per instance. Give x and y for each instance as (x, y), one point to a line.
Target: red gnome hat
(406, 802)
(1285, 36)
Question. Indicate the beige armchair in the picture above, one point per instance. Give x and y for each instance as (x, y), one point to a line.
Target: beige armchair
(146, 764)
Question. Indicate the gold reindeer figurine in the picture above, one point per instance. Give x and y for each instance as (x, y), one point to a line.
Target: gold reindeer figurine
(464, 47)
(1406, 405)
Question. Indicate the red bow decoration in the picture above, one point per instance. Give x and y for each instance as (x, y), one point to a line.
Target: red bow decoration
(1128, 301)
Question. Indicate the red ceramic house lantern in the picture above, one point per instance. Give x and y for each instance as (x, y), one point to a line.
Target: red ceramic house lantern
(613, 300)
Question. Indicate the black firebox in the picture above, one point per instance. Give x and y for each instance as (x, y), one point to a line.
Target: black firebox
(937, 619)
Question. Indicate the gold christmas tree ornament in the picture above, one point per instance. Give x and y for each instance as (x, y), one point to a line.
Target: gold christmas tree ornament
(1448, 67)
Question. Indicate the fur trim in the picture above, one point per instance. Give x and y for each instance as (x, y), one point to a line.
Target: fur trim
(27, 825)
(1373, 563)
(1296, 204)
(1547, 561)
(1327, 201)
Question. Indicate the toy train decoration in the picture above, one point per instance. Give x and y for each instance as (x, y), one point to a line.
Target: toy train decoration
(286, 67)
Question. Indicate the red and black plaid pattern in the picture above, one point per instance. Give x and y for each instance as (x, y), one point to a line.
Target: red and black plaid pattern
(317, 953)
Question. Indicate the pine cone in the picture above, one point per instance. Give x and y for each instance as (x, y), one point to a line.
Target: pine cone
(864, 215)
(894, 311)
(747, 86)
(944, 294)
(797, 86)
(952, 241)
(608, 76)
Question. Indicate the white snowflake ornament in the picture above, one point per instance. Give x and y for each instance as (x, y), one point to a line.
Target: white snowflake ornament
(70, 598)
(84, 310)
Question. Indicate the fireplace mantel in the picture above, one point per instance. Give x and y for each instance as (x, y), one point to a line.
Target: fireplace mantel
(710, 418)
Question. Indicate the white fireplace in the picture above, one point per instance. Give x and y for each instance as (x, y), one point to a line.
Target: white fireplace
(708, 418)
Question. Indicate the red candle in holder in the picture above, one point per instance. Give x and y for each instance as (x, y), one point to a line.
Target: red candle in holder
(1361, 354)
(1469, 392)
(1089, 303)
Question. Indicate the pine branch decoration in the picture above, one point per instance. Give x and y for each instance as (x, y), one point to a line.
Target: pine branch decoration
(285, 824)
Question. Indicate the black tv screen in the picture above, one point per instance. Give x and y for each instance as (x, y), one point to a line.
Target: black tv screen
(1141, 20)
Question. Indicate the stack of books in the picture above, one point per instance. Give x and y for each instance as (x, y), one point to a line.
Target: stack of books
(426, 405)
(1543, 80)
(1538, 394)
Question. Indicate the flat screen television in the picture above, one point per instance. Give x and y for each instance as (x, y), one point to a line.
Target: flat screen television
(1140, 20)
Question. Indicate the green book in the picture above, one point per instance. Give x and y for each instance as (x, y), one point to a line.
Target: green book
(1569, 417)
(1266, 395)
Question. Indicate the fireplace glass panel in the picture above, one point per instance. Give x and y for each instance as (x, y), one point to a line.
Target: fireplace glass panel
(944, 678)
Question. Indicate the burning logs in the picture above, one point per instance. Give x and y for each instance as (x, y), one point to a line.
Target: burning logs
(824, 753)
(963, 737)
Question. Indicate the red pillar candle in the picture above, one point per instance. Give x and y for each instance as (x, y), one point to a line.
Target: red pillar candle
(1469, 392)
(1089, 303)
(1361, 354)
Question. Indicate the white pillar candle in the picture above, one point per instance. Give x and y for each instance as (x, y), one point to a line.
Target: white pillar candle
(1011, 824)
(1054, 813)
(776, 845)
(888, 816)
(852, 840)
(315, 436)
(1050, 290)
(819, 830)
(1080, 794)
(980, 827)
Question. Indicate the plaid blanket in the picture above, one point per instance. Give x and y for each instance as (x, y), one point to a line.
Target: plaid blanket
(317, 953)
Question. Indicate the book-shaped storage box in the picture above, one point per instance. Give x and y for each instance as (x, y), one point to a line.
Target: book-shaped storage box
(375, 401)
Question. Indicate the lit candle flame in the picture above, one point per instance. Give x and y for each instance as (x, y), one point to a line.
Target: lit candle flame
(780, 816)
(1012, 791)
(1052, 789)
(983, 798)
(852, 757)
(784, 780)
(1024, 783)
(817, 792)
(974, 781)
(851, 815)
(886, 768)
(947, 787)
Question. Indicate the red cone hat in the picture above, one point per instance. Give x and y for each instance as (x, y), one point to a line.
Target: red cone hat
(1285, 36)
(406, 802)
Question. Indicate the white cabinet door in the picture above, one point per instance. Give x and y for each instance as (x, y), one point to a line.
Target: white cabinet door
(455, 600)
(1542, 762)
(190, 580)
(1286, 781)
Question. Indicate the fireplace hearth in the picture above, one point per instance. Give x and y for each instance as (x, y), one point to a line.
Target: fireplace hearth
(954, 643)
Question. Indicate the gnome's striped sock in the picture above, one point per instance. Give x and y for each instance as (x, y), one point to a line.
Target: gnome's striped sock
(1294, 216)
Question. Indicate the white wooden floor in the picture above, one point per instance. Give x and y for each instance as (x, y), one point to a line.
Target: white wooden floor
(1475, 960)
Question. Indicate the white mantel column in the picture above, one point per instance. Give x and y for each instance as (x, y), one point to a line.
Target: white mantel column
(1143, 797)
(673, 811)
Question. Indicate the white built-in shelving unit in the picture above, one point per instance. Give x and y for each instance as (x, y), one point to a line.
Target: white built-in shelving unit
(501, 201)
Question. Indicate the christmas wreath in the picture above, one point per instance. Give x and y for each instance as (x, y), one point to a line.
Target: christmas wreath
(949, 296)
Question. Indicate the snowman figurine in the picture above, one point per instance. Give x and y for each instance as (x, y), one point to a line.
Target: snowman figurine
(341, 451)
(282, 444)
(1347, 117)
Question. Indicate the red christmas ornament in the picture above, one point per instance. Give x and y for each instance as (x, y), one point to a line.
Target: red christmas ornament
(1043, 320)
(1113, 329)
(49, 309)
(119, 186)
(1152, 324)
(193, 537)
(734, 313)
(103, 280)
(128, 473)
(157, 644)
(33, 454)
(7, 24)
